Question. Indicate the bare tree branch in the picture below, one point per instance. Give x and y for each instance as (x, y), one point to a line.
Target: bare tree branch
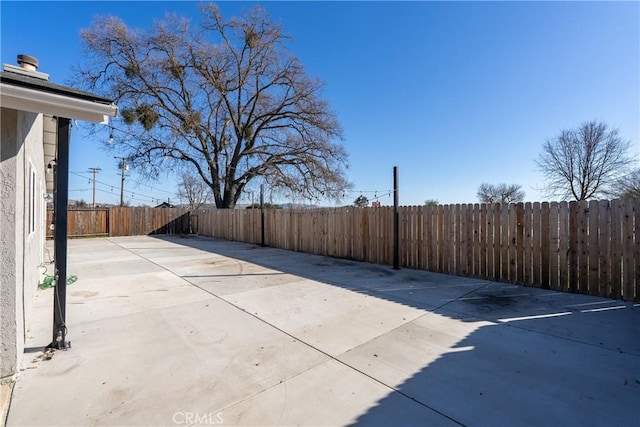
(500, 193)
(226, 100)
(628, 186)
(193, 191)
(584, 163)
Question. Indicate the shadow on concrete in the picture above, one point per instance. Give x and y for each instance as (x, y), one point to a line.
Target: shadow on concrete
(484, 353)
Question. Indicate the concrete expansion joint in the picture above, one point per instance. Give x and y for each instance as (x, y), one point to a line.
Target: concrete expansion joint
(266, 389)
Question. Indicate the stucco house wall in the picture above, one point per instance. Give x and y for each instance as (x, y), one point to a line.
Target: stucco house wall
(22, 228)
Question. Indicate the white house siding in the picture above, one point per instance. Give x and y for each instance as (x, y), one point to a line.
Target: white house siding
(22, 183)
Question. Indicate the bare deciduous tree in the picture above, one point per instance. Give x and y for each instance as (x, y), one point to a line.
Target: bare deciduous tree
(628, 185)
(500, 193)
(585, 162)
(226, 98)
(193, 191)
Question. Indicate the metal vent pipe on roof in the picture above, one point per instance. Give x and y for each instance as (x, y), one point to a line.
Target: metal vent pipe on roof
(28, 62)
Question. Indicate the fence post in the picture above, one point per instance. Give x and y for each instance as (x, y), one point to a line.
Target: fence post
(396, 222)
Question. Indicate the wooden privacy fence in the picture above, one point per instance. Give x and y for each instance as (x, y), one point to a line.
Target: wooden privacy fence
(83, 222)
(582, 247)
(241, 225)
(124, 221)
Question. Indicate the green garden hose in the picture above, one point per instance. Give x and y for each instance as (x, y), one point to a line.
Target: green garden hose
(48, 281)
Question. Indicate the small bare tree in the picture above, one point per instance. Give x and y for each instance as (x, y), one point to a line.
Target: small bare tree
(628, 186)
(225, 99)
(193, 191)
(584, 163)
(500, 193)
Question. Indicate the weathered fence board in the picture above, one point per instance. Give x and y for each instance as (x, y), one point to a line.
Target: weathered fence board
(616, 250)
(604, 249)
(629, 264)
(594, 243)
(636, 248)
(536, 245)
(548, 245)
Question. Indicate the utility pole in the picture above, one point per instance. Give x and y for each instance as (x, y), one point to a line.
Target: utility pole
(95, 171)
(123, 167)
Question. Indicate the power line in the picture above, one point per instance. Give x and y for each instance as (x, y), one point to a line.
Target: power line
(99, 182)
(138, 183)
(377, 194)
(134, 194)
(156, 189)
(111, 187)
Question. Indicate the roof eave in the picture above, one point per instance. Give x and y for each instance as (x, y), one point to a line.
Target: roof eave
(25, 99)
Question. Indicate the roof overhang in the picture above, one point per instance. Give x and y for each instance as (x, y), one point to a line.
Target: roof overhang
(36, 101)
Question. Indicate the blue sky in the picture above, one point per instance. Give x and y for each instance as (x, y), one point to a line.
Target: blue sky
(454, 93)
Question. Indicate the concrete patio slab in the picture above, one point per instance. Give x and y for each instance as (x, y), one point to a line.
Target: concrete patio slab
(142, 368)
(331, 319)
(184, 331)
